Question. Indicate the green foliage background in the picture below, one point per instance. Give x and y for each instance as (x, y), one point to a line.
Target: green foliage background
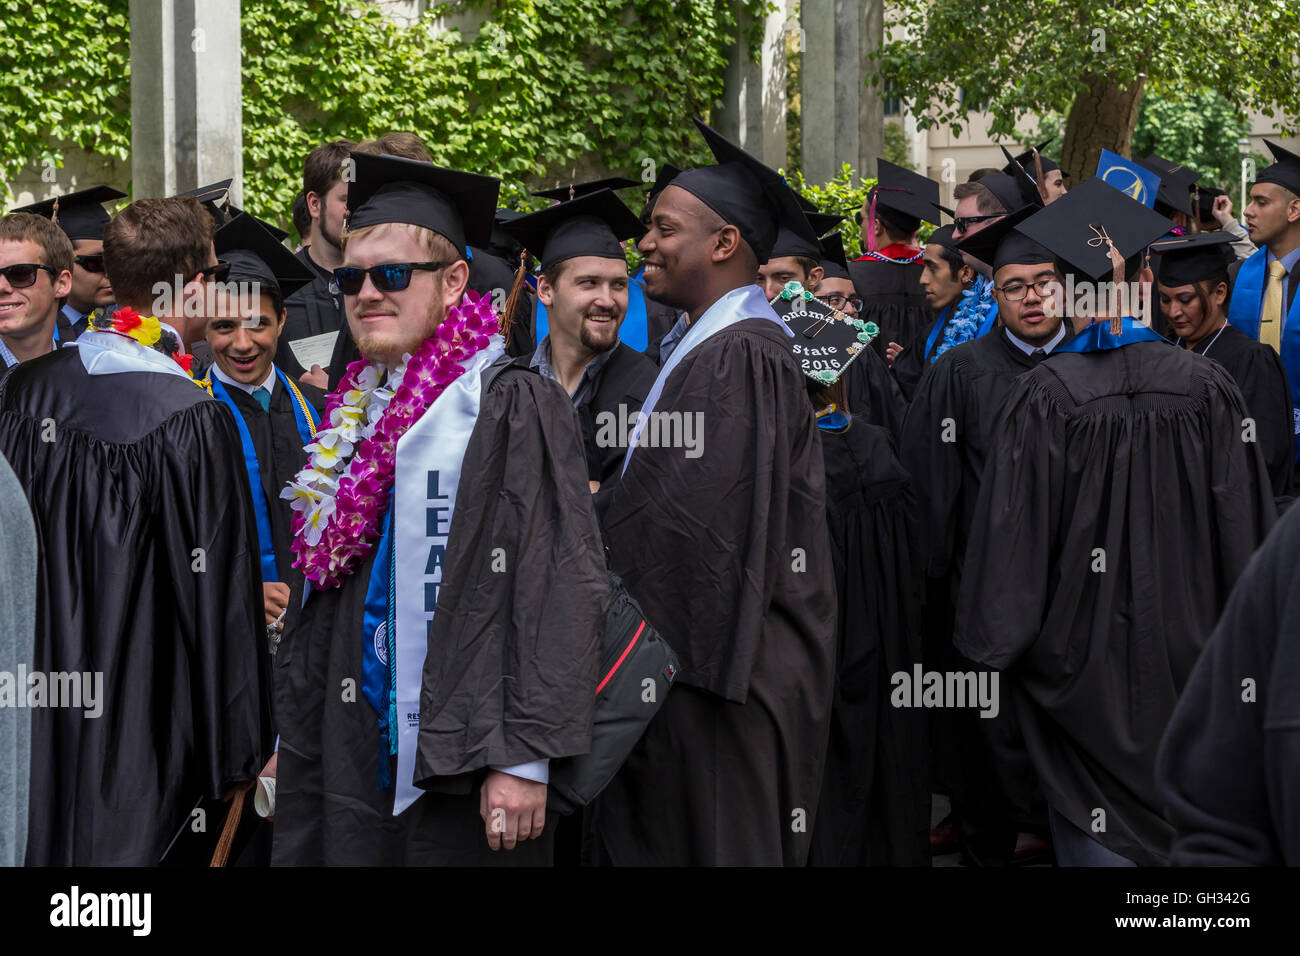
(537, 91)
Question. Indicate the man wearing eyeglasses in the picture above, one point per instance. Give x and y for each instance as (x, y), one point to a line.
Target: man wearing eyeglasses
(35, 273)
(82, 218)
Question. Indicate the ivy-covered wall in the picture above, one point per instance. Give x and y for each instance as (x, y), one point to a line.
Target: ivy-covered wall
(543, 88)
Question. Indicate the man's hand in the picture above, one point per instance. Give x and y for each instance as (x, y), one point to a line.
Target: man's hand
(892, 350)
(593, 485)
(1222, 210)
(317, 377)
(513, 809)
(275, 598)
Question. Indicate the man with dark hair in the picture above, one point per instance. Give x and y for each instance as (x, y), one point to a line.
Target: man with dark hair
(1263, 303)
(730, 769)
(585, 288)
(314, 314)
(82, 218)
(301, 220)
(35, 273)
(134, 474)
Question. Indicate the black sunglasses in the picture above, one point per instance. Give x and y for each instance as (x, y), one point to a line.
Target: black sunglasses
(23, 274)
(387, 277)
(217, 272)
(93, 263)
(962, 223)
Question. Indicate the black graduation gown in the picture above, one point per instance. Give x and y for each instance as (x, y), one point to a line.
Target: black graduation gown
(534, 628)
(875, 801)
(980, 762)
(312, 310)
(1136, 451)
(1228, 765)
(144, 467)
(873, 395)
(1259, 373)
(729, 557)
(659, 321)
(625, 379)
(892, 297)
(914, 359)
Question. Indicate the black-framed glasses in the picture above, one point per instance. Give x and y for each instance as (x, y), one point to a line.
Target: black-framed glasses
(963, 223)
(387, 276)
(1015, 291)
(217, 272)
(21, 275)
(93, 263)
(837, 300)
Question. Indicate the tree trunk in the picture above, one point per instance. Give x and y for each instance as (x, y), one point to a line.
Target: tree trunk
(1103, 116)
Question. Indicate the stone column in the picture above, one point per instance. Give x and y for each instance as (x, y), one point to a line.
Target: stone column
(871, 105)
(186, 127)
(753, 110)
(818, 91)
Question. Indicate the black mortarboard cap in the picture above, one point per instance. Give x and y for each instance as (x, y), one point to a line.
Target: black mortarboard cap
(943, 237)
(592, 225)
(215, 198)
(457, 205)
(1205, 202)
(1003, 243)
(1188, 259)
(80, 214)
(1175, 183)
(1285, 171)
(667, 173)
(256, 255)
(1025, 160)
(911, 196)
(745, 193)
(562, 193)
(834, 263)
(1075, 226)
(1026, 187)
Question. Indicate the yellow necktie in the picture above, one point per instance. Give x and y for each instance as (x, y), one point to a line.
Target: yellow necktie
(1270, 318)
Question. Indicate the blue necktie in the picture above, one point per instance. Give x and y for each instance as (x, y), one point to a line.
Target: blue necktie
(263, 398)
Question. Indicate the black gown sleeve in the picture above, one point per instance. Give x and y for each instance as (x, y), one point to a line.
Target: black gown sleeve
(510, 676)
(1264, 386)
(1214, 768)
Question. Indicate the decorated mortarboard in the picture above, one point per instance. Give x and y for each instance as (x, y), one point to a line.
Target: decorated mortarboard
(1025, 160)
(1188, 259)
(1285, 171)
(1077, 228)
(592, 225)
(80, 214)
(745, 193)
(907, 198)
(574, 190)
(834, 263)
(256, 255)
(1004, 243)
(1175, 183)
(458, 206)
(826, 341)
(1131, 178)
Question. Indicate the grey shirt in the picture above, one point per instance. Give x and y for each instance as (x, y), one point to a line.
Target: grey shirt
(17, 635)
(541, 361)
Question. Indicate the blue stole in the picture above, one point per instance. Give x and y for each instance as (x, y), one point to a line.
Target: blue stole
(944, 315)
(378, 650)
(1097, 337)
(632, 333)
(307, 425)
(1243, 313)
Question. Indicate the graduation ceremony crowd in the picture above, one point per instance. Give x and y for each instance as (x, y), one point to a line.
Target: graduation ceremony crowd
(369, 547)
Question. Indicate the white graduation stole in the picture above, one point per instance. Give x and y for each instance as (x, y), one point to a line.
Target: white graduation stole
(428, 467)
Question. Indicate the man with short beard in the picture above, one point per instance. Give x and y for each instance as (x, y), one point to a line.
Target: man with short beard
(82, 218)
(317, 309)
(584, 287)
(443, 647)
(730, 769)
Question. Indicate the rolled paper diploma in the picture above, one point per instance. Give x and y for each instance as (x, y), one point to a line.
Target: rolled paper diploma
(264, 797)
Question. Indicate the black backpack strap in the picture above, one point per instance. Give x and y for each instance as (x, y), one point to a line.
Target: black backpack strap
(503, 364)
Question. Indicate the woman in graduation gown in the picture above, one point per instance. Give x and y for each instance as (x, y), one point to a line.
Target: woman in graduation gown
(1194, 297)
(875, 802)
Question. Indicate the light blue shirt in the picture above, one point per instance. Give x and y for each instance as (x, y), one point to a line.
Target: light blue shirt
(1028, 349)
